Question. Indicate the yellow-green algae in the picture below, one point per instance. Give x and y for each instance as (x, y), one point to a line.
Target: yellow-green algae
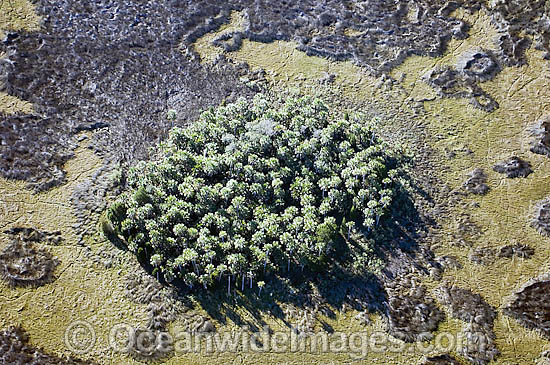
(82, 290)
(504, 214)
(96, 294)
(204, 45)
(18, 15)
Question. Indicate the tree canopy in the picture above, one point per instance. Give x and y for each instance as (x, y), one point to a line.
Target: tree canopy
(252, 186)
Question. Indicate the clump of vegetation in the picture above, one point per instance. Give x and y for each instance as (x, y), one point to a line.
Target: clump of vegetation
(541, 133)
(255, 186)
(16, 349)
(529, 305)
(476, 182)
(514, 167)
(23, 264)
(542, 217)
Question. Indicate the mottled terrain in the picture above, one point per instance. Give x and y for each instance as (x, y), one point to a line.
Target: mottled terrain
(87, 89)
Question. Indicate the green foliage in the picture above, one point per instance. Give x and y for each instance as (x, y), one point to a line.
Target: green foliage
(106, 226)
(116, 214)
(141, 196)
(252, 187)
(140, 254)
(171, 114)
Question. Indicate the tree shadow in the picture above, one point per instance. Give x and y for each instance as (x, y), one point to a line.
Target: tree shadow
(326, 289)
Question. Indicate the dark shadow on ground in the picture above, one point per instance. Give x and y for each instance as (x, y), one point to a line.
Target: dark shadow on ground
(325, 289)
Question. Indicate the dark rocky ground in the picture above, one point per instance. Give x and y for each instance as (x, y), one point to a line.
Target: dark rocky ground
(488, 255)
(120, 67)
(412, 316)
(514, 167)
(542, 217)
(478, 318)
(28, 234)
(15, 349)
(104, 65)
(531, 305)
(24, 264)
(477, 182)
(541, 136)
(444, 359)
(463, 80)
